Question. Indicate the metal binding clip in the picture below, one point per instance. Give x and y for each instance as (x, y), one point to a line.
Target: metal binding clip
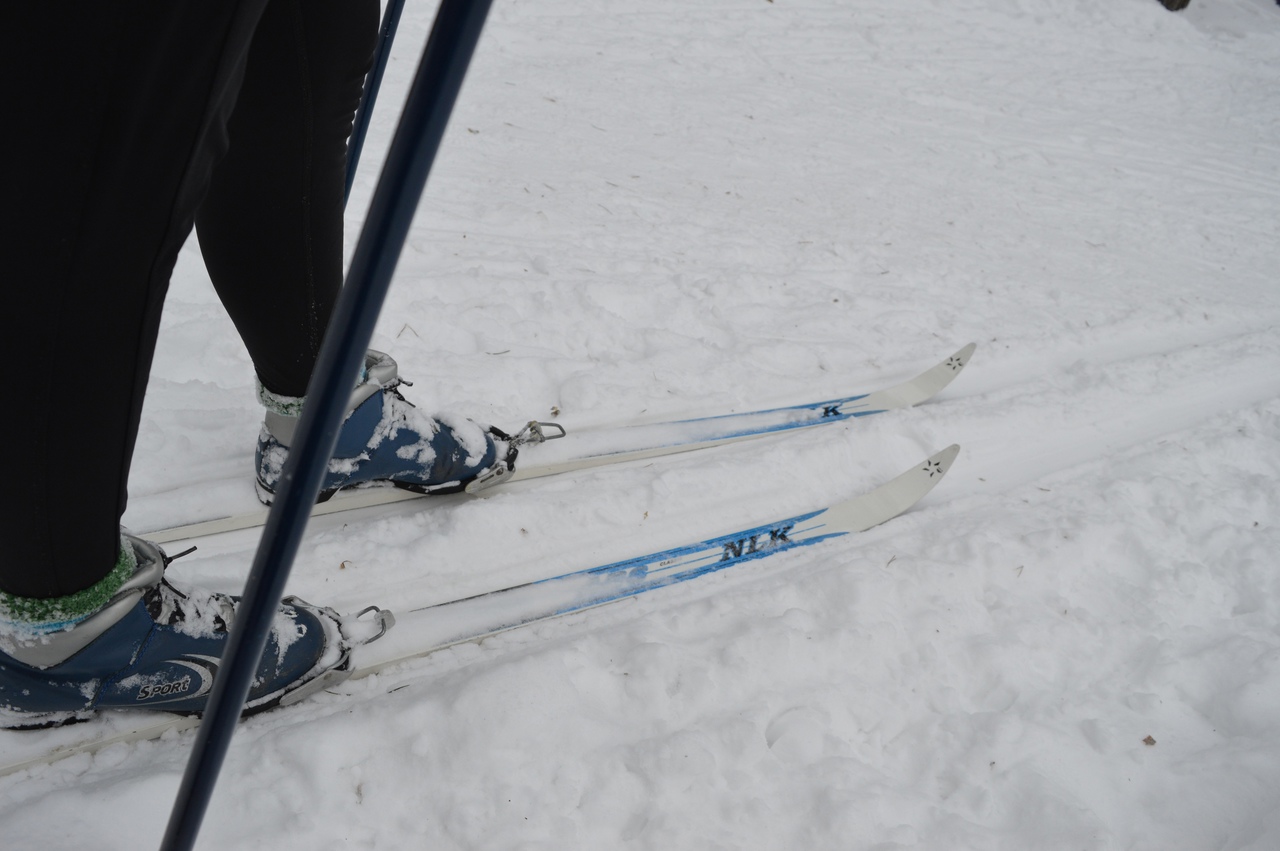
(534, 433)
(383, 619)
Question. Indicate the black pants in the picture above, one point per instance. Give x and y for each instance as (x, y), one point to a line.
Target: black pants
(129, 121)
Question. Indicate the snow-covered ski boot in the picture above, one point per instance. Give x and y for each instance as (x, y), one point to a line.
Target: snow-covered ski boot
(157, 646)
(386, 439)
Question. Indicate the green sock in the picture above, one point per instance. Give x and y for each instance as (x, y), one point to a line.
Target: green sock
(285, 406)
(49, 614)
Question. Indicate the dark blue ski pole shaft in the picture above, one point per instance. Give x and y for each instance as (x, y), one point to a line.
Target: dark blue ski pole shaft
(372, 82)
(404, 175)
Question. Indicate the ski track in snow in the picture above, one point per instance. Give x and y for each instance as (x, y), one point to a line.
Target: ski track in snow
(653, 211)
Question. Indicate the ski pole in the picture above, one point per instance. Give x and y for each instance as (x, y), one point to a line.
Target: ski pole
(404, 175)
(372, 82)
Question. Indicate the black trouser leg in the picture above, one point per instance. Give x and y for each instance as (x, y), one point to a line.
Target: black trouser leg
(115, 114)
(271, 226)
(122, 111)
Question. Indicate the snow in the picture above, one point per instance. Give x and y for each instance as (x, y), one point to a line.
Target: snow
(652, 210)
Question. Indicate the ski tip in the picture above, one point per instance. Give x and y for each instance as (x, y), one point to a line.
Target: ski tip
(936, 466)
(895, 496)
(947, 455)
(929, 383)
(960, 359)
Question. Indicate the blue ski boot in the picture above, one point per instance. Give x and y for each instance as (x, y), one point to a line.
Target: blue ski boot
(385, 439)
(157, 646)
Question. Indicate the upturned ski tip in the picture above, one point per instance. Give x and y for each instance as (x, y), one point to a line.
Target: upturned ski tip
(961, 359)
(895, 496)
(944, 458)
(929, 473)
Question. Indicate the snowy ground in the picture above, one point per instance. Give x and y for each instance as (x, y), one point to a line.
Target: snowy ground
(654, 209)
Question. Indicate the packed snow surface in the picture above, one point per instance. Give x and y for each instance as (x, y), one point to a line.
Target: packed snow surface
(651, 210)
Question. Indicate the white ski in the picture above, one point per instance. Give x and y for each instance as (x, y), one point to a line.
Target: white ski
(598, 447)
(421, 632)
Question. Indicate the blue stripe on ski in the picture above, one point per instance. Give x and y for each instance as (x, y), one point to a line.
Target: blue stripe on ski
(487, 614)
(807, 406)
(834, 416)
(670, 567)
